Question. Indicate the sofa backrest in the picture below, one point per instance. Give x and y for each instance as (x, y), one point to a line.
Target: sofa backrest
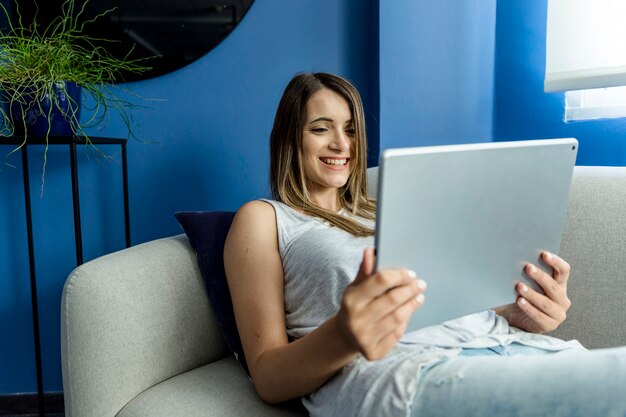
(594, 243)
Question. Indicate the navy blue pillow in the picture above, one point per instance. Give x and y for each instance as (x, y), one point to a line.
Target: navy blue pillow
(207, 232)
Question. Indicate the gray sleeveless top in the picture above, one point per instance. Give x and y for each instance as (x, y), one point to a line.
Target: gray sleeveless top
(319, 261)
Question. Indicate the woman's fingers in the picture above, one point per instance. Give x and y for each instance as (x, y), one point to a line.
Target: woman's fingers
(381, 282)
(377, 306)
(395, 297)
(389, 329)
(369, 284)
(553, 290)
(550, 287)
(547, 310)
(543, 322)
(369, 301)
(367, 266)
(535, 311)
(561, 268)
(541, 302)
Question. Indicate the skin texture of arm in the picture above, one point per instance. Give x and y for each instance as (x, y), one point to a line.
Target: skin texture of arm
(374, 312)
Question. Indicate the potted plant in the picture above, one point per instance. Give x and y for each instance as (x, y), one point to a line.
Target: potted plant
(45, 71)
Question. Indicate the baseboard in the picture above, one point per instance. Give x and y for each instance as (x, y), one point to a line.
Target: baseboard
(26, 404)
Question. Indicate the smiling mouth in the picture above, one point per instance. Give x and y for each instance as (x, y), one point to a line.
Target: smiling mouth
(335, 161)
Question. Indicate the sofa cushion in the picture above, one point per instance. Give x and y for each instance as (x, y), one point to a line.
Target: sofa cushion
(215, 390)
(207, 232)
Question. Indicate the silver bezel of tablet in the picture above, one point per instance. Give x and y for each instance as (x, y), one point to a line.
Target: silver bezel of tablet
(467, 218)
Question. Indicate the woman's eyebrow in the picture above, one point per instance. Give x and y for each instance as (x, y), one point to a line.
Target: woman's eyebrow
(328, 119)
(322, 119)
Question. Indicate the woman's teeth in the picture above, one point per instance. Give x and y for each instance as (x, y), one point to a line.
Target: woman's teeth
(334, 161)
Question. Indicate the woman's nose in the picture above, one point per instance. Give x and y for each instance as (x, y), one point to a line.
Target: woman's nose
(340, 142)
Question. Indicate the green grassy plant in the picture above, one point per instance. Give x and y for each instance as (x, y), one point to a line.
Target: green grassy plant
(35, 62)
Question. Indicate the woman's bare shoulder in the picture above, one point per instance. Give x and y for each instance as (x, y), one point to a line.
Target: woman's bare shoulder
(257, 212)
(254, 222)
(256, 208)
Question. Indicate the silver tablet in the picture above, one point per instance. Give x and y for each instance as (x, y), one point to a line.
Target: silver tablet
(467, 218)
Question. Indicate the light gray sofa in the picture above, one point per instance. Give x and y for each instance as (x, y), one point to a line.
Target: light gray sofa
(139, 337)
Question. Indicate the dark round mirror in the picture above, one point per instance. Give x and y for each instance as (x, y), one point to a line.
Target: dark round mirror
(171, 33)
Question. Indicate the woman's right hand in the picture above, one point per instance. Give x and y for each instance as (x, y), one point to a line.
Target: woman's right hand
(376, 307)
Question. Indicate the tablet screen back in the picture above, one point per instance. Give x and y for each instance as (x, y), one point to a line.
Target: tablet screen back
(467, 218)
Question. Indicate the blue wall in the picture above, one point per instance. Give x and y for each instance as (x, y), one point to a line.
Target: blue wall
(436, 72)
(522, 109)
(210, 154)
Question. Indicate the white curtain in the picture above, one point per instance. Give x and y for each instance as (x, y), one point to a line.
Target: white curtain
(585, 44)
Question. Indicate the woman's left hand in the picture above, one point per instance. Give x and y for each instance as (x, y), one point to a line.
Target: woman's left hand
(536, 312)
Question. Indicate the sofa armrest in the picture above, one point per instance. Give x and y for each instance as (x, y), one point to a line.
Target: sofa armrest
(594, 243)
(130, 320)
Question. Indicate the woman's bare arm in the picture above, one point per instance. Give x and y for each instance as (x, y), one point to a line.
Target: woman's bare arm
(373, 315)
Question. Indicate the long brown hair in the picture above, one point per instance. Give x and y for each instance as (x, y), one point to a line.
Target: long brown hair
(287, 177)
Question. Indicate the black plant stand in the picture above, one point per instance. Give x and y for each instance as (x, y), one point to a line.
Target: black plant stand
(71, 141)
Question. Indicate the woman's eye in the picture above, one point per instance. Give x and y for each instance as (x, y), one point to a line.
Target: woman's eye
(350, 131)
(319, 130)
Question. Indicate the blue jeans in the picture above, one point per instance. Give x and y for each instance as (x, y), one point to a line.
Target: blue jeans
(522, 381)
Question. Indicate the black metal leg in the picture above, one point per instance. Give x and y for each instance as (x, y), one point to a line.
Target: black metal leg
(72, 141)
(125, 182)
(33, 282)
(76, 203)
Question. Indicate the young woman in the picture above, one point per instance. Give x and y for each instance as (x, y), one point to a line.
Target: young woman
(316, 321)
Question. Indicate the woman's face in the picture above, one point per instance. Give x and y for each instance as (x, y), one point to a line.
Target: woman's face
(328, 141)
